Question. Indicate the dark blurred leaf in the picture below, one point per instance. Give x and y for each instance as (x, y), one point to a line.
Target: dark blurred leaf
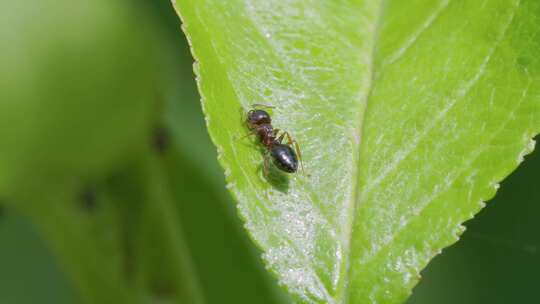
(29, 273)
(76, 90)
(497, 261)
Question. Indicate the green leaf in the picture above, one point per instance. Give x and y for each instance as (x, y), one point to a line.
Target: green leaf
(408, 115)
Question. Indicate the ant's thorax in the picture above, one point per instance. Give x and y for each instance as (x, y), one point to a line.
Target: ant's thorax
(266, 135)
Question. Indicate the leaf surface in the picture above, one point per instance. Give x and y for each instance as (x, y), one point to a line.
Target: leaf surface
(408, 115)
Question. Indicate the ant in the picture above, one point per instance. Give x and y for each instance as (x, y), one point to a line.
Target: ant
(283, 155)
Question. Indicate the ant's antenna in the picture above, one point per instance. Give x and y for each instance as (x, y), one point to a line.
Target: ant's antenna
(260, 105)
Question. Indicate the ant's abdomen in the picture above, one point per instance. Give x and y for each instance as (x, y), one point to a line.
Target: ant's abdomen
(284, 157)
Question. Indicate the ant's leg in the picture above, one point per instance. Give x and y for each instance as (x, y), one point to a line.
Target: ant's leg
(247, 135)
(244, 119)
(250, 133)
(285, 134)
(265, 165)
(280, 138)
(297, 148)
(243, 114)
(292, 142)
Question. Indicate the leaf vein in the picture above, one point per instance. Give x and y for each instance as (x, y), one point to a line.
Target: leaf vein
(349, 232)
(448, 186)
(411, 40)
(460, 92)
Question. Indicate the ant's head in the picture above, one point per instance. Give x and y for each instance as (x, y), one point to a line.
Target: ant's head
(258, 117)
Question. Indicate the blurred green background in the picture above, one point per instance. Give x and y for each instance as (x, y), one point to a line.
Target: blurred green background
(497, 260)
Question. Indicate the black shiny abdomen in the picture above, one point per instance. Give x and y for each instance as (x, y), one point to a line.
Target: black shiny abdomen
(284, 158)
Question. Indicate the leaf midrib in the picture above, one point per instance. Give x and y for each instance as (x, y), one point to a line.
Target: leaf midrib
(361, 193)
(343, 294)
(470, 84)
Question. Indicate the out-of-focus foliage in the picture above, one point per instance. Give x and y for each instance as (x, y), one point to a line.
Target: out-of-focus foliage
(76, 86)
(105, 208)
(76, 89)
(87, 91)
(452, 107)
